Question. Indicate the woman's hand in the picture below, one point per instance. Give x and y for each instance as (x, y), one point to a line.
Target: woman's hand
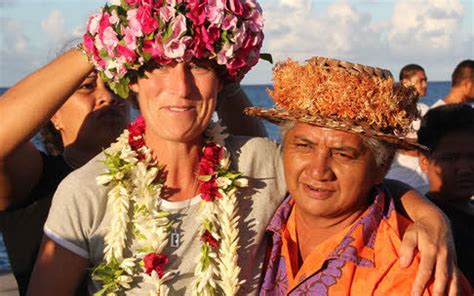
(432, 236)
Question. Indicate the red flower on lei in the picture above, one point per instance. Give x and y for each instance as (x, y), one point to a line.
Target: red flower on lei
(155, 262)
(135, 136)
(207, 237)
(208, 166)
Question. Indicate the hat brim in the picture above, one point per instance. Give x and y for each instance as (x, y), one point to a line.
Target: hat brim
(278, 116)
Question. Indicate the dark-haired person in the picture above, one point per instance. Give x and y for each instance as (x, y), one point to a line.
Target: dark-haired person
(338, 231)
(414, 75)
(405, 165)
(448, 132)
(462, 85)
(78, 116)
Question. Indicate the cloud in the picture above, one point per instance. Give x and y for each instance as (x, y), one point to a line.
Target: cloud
(18, 56)
(6, 3)
(53, 25)
(341, 30)
(12, 33)
(420, 25)
(426, 32)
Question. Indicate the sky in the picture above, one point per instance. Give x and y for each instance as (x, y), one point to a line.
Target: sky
(388, 34)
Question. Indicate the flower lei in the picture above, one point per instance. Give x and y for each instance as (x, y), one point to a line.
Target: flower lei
(134, 200)
(127, 34)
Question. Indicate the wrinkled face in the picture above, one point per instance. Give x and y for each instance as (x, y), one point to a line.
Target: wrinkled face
(419, 81)
(450, 167)
(92, 115)
(329, 173)
(177, 100)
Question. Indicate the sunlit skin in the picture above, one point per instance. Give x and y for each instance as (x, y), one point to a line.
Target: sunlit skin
(177, 101)
(419, 81)
(329, 173)
(92, 115)
(450, 168)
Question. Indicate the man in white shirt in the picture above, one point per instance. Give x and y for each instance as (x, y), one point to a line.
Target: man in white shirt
(462, 85)
(405, 165)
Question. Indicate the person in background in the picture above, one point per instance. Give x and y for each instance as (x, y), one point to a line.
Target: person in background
(78, 116)
(448, 132)
(338, 231)
(462, 85)
(166, 207)
(405, 166)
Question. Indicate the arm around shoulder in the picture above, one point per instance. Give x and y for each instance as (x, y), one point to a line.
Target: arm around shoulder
(231, 103)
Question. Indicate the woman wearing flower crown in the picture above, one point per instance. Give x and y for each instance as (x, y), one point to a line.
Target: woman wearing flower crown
(174, 206)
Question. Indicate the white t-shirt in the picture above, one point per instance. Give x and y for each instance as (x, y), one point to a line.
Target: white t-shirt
(405, 167)
(79, 216)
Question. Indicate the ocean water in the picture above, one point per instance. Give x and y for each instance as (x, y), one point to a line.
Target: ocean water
(259, 97)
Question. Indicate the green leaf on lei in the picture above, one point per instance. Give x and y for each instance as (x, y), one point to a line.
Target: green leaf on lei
(205, 178)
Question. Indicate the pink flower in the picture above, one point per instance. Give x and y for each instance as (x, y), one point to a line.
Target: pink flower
(255, 21)
(207, 237)
(197, 12)
(215, 14)
(235, 6)
(93, 24)
(146, 19)
(88, 43)
(153, 47)
(110, 40)
(129, 39)
(114, 18)
(229, 22)
(155, 262)
(166, 13)
(104, 24)
(134, 26)
(176, 48)
(127, 53)
(176, 45)
(133, 2)
(210, 36)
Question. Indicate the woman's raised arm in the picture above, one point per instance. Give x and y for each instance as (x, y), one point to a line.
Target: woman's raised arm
(24, 109)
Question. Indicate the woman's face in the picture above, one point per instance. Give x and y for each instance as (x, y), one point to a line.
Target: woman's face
(92, 115)
(177, 101)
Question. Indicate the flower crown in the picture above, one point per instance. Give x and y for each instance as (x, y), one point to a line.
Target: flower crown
(128, 34)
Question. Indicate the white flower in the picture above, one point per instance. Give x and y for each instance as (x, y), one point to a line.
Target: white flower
(241, 182)
(103, 179)
(127, 265)
(223, 182)
(124, 281)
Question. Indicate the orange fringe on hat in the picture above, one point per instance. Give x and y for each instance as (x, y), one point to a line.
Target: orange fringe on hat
(346, 93)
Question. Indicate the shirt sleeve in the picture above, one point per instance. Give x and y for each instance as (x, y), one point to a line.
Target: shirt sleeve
(71, 217)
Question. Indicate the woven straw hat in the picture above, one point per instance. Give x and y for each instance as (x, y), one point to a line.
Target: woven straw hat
(344, 96)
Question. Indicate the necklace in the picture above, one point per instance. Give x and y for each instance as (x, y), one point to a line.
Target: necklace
(134, 199)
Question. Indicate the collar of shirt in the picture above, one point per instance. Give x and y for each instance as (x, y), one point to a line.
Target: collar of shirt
(356, 245)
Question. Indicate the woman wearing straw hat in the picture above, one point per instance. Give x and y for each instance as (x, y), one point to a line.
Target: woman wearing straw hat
(338, 232)
(173, 207)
